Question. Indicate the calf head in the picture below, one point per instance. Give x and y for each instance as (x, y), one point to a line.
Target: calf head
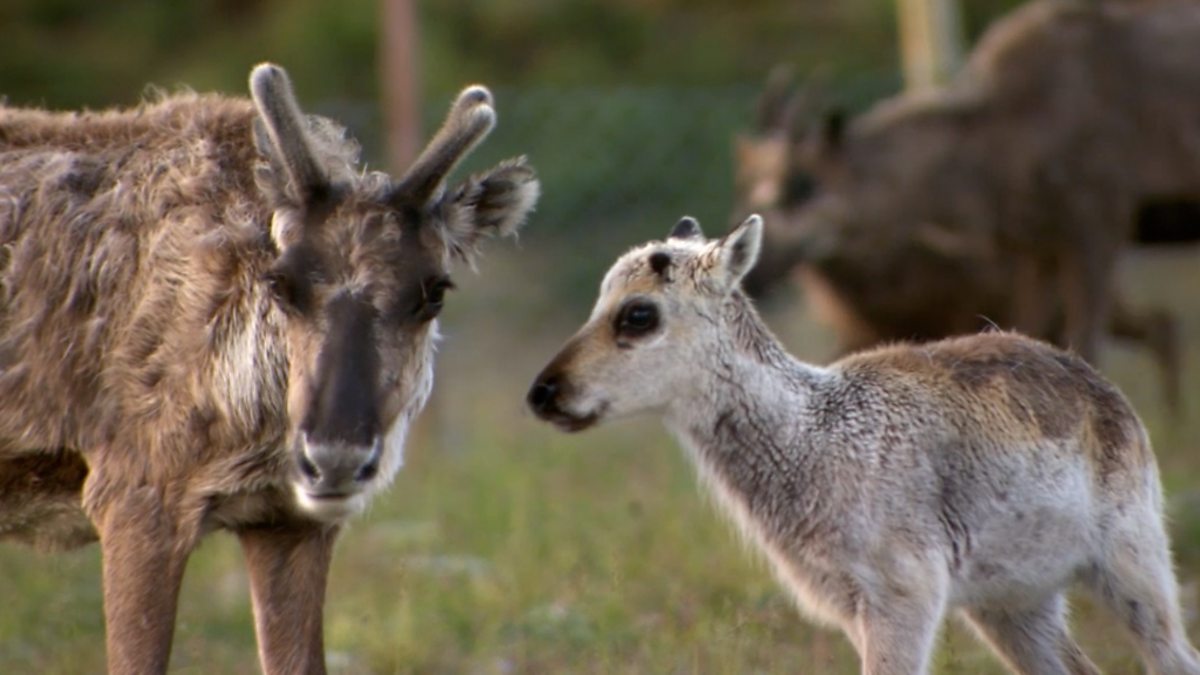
(362, 270)
(663, 312)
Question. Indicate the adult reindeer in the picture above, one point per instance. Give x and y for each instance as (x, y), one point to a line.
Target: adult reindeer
(1008, 196)
(212, 318)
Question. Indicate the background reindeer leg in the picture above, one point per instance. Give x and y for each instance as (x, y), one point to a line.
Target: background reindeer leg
(1158, 330)
(289, 569)
(1086, 269)
(144, 559)
(1032, 309)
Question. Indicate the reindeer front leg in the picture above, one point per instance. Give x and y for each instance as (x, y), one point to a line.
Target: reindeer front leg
(289, 568)
(1086, 288)
(1099, 222)
(1032, 306)
(143, 559)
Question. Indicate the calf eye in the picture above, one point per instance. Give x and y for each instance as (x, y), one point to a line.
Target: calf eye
(433, 293)
(637, 318)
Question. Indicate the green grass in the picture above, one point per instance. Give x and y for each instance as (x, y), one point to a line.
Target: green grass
(506, 547)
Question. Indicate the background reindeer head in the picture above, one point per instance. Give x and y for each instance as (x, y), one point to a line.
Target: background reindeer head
(780, 163)
(361, 274)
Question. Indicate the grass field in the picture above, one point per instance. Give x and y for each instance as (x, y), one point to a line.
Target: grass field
(506, 547)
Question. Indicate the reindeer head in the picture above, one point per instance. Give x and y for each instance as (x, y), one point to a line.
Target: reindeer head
(361, 273)
(662, 313)
(778, 166)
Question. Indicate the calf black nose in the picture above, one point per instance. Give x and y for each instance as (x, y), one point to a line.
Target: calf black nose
(542, 394)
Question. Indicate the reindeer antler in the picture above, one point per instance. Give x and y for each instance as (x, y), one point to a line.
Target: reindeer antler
(470, 119)
(284, 125)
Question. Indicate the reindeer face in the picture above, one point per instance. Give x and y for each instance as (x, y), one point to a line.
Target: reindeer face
(659, 317)
(781, 171)
(760, 170)
(361, 275)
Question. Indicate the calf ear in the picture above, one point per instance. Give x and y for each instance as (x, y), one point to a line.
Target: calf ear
(495, 202)
(736, 253)
(687, 228)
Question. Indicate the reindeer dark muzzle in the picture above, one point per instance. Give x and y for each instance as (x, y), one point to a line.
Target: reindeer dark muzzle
(340, 444)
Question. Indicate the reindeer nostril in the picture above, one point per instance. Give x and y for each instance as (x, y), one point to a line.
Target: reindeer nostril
(307, 468)
(542, 394)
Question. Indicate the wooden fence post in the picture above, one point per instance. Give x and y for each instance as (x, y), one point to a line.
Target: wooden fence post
(931, 41)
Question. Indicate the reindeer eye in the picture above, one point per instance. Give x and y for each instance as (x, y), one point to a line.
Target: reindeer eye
(798, 188)
(284, 290)
(637, 318)
(433, 293)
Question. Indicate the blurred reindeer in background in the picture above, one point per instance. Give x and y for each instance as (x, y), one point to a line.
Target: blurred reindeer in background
(1004, 198)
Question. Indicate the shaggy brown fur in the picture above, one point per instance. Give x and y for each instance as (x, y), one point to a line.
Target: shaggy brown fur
(212, 317)
(1007, 197)
(115, 278)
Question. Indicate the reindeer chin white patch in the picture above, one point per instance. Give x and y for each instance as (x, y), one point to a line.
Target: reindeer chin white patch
(580, 412)
(330, 510)
(393, 453)
(390, 462)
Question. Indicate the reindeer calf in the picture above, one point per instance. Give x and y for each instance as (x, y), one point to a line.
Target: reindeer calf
(981, 474)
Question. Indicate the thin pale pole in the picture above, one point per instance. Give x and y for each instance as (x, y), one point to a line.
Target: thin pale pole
(931, 41)
(400, 86)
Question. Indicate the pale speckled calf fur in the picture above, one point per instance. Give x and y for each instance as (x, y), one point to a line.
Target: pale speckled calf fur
(981, 474)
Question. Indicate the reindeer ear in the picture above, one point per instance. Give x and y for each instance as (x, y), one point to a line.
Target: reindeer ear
(495, 202)
(737, 252)
(770, 109)
(823, 140)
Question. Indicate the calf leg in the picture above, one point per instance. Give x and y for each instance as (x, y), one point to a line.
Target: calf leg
(896, 626)
(898, 638)
(289, 569)
(143, 559)
(1032, 641)
(1135, 580)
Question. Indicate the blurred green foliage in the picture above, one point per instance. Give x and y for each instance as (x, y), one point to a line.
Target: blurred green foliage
(71, 53)
(626, 107)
